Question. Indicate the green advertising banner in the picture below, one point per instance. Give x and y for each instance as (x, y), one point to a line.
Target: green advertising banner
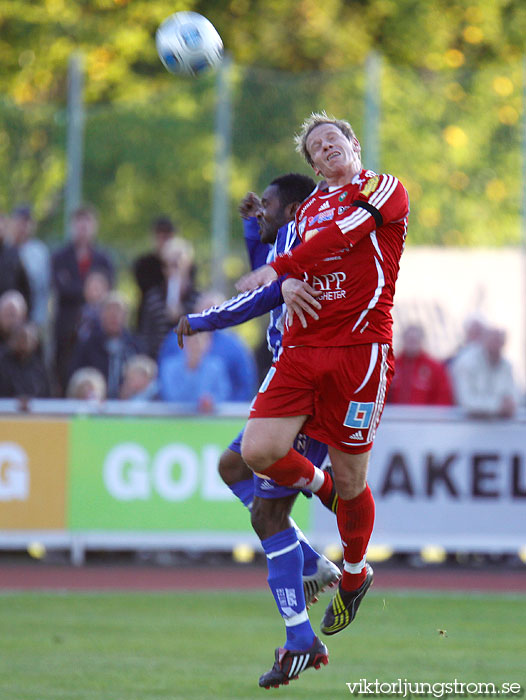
(154, 475)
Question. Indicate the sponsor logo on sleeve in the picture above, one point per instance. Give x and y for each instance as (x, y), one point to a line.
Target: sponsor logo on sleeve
(370, 186)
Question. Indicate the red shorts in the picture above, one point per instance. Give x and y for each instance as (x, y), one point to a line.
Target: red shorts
(341, 389)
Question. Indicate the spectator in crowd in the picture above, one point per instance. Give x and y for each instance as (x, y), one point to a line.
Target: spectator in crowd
(228, 346)
(87, 384)
(109, 346)
(140, 379)
(22, 369)
(165, 303)
(148, 268)
(12, 272)
(419, 378)
(70, 267)
(13, 313)
(194, 375)
(96, 289)
(36, 260)
(474, 329)
(483, 379)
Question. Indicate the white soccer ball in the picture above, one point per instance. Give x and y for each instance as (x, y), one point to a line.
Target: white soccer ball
(188, 44)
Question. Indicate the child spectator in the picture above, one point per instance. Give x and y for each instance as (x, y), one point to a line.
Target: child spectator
(87, 384)
(140, 379)
(96, 289)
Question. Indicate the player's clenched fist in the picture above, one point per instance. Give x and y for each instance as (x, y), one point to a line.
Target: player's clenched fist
(249, 205)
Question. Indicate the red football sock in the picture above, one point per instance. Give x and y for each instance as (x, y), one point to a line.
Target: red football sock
(324, 492)
(293, 470)
(355, 522)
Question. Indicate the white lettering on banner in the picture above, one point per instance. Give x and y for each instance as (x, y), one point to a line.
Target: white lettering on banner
(214, 489)
(14, 473)
(129, 473)
(169, 486)
(125, 472)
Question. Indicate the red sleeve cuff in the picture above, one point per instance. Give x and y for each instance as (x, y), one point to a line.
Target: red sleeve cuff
(285, 265)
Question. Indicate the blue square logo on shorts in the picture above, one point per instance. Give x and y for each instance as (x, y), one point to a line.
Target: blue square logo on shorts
(359, 415)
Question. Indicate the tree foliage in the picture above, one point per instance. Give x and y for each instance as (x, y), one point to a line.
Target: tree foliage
(450, 106)
(116, 37)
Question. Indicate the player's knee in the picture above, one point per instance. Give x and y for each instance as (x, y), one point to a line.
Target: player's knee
(232, 468)
(263, 444)
(350, 474)
(254, 455)
(259, 455)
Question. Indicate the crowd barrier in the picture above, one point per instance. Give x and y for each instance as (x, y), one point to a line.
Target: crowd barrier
(123, 476)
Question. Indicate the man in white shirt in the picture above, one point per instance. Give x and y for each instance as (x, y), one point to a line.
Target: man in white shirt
(483, 378)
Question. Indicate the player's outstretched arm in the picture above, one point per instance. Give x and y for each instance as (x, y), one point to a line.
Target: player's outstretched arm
(232, 312)
(256, 278)
(300, 299)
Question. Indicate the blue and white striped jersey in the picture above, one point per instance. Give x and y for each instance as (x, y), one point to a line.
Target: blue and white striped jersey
(258, 301)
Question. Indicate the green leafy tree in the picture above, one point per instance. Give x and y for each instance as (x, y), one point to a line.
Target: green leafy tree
(450, 107)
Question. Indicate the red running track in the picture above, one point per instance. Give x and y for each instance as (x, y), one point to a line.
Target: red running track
(38, 577)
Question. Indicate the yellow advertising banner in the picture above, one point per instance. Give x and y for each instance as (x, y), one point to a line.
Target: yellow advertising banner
(33, 468)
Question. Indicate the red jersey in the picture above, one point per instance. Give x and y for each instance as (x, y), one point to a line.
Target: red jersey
(352, 240)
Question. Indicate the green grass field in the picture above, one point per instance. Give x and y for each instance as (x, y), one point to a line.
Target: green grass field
(158, 646)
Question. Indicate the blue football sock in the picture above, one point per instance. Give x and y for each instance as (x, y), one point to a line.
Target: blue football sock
(310, 555)
(310, 558)
(285, 566)
(244, 490)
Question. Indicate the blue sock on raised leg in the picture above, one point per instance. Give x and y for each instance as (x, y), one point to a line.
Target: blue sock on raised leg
(285, 566)
(310, 555)
(244, 490)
